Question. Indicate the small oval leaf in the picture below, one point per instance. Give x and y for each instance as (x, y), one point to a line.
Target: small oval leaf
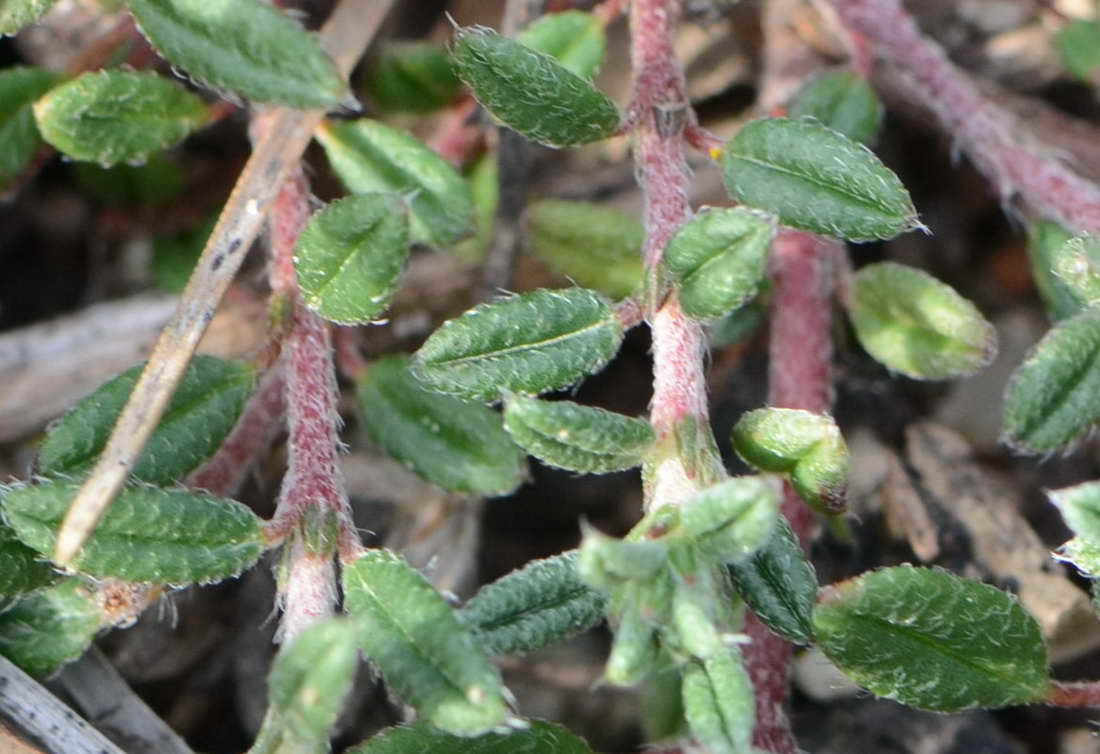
(1053, 398)
(16, 14)
(1079, 46)
(732, 519)
(578, 438)
(21, 568)
(931, 640)
(719, 259)
(248, 47)
(530, 343)
(543, 603)
(1080, 507)
(918, 326)
(370, 156)
(598, 247)
(412, 77)
(1045, 240)
(531, 92)
(19, 138)
(457, 445)
(1077, 264)
(350, 256)
(148, 534)
(538, 737)
(576, 40)
(719, 703)
(51, 627)
(428, 657)
(118, 116)
(816, 179)
(201, 414)
(844, 101)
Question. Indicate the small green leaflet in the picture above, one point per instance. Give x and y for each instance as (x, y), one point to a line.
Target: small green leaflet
(148, 534)
(427, 656)
(530, 343)
(1080, 507)
(51, 627)
(543, 603)
(248, 47)
(816, 179)
(118, 116)
(576, 40)
(530, 91)
(578, 438)
(538, 737)
(1053, 398)
(19, 138)
(1045, 241)
(1085, 557)
(929, 639)
(21, 568)
(412, 77)
(918, 326)
(732, 519)
(634, 652)
(1077, 264)
(350, 256)
(598, 247)
(718, 703)
(16, 14)
(483, 178)
(1079, 46)
(844, 101)
(370, 156)
(719, 259)
(454, 444)
(200, 416)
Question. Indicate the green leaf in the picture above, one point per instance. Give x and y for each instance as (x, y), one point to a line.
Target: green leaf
(1053, 398)
(1079, 47)
(634, 651)
(732, 519)
(578, 438)
(457, 445)
(148, 534)
(15, 14)
(311, 678)
(412, 77)
(370, 156)
(21, 568)
(1085, 556)
(806, 446)
(1080, 507)
(574, 38)
(248, 47)
(428, 657)
(201, 414)
(694, 622)
(350, 256)
(538, 738)
(844, 101)
(719, 259)
(718, 703)
(1045, 240)
(483, 178)
(928, 639)
(51, 627)
(816, 179)
(118, 116)
(542, 603)
(598, 247)
(1077, 264)
(606, 562)
(779, 584)
(530, 343)
(530, 91)
(918, 326)
(19, 138)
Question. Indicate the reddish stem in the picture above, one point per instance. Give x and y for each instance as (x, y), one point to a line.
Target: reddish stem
(1081, 694)
(458, 137)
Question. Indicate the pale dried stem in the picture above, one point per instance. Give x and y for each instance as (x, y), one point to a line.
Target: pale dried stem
(345, 36)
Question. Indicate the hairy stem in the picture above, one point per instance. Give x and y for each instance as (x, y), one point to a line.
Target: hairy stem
(1082, 694)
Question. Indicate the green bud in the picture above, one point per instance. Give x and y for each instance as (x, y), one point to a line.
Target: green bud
(1077, 264)
(734, 518)
(844, 101)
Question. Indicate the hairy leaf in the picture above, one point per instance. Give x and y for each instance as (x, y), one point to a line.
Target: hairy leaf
(918, 326)
(148, 534)
(598, 247)
(576, 40)
(412, 77)
(531, 92)
(538, 737)
(21, 568)
(1080, 507)
(844, 101)
(428, 657)
(1053, 398)
(719, 259)
(1084, 555)
(19, 138)
(117, 116)
(530, 343)
(779, 584)
(1045, 240)
(51, 627)
(350, 256)
(816, 179)
(732, 519)
(1077, 264)
(201, 414)
(932, 640)
(15, 14)
(368, 156)
(718, 703)
(247, 47)
(457, 445)
(635, 652)
(575, 437)
(1078, 43)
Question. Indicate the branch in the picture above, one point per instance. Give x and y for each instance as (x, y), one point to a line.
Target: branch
(345, 36)
(1082, 694)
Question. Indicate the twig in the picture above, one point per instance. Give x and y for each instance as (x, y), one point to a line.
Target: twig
(345, 36)
(1081, 694)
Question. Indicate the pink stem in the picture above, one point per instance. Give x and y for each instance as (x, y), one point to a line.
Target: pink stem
(1083, 694)
(1016, 163)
